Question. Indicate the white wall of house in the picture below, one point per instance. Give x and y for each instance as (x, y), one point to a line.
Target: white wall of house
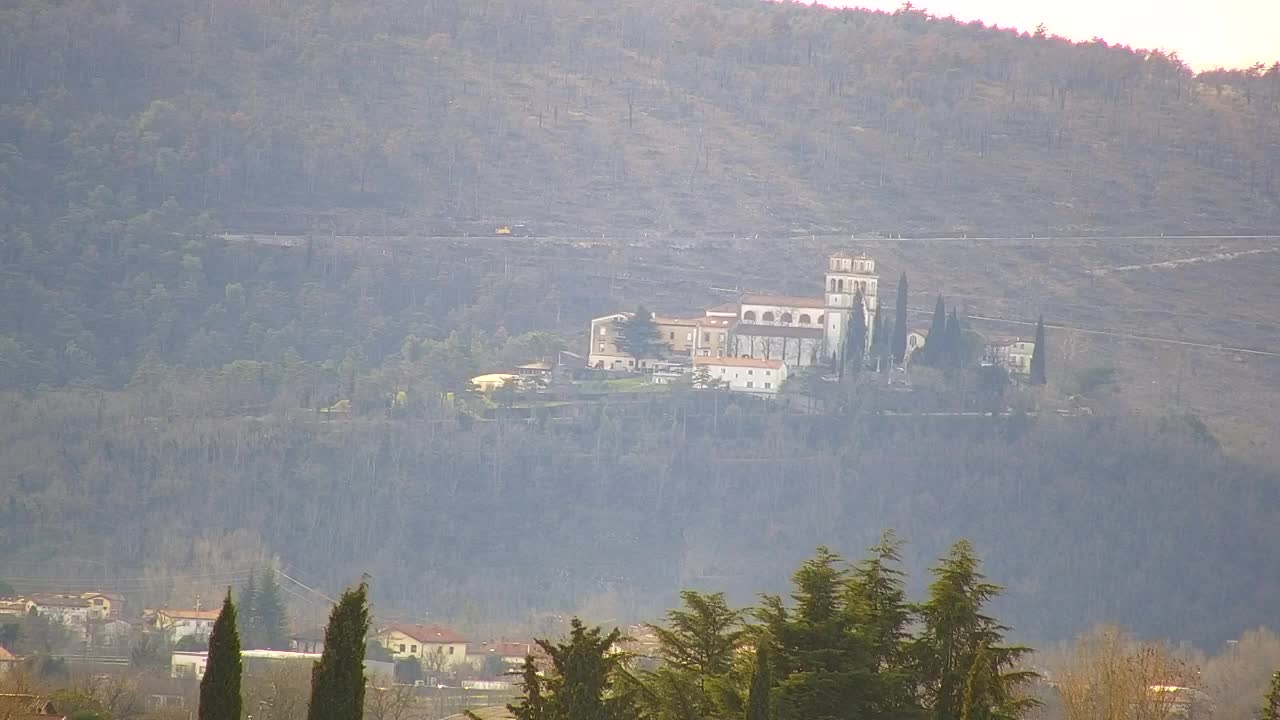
(759, 380)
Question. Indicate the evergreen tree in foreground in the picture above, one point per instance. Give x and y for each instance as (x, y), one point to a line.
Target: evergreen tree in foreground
(220, 686)
(960, 654)
(955, 350)
(898, 346)
(582, 684)
(1038, 376)
(1271, 707)
(758, 695)
(337, 679)
(529, 706)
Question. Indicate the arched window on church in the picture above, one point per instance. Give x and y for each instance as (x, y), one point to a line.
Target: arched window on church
(786, 318)
(833, 284)
(767, 317)
(805, 319)
(821, 318)
(749, 316)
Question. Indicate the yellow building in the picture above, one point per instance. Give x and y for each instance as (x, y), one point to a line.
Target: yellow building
(429, 643)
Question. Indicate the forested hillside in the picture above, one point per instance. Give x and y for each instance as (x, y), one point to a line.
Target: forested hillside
(1085, 520)
(161, 382)
(582, 117)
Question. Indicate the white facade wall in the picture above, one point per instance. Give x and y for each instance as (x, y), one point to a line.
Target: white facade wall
(758, 380)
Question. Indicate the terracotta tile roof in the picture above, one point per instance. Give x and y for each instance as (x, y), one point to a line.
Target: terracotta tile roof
(58, 600)
(739, 362)
(724, 308)
(429, 633)
(784, 301)
(180, 614)
(778, 331)
(503, 648)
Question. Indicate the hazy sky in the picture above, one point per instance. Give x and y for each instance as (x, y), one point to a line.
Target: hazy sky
(1205, 33)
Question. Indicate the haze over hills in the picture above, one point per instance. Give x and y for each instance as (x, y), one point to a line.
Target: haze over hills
(164, 382)
(586, 118)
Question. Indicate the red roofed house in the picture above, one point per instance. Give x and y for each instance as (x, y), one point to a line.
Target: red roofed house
(182, 623)
(434, 644)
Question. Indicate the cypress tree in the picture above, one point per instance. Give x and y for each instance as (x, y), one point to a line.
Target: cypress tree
(855, 338)
(273, 624)
(220, 686)
(758, 694)
(1271, 708)
(581, 685)
(934, 351)
(1038, 376)
(954, 353)
(899, 344)
(337, 679)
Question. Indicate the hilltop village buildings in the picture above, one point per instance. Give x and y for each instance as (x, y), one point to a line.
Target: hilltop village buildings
(753, 345)
(774, 332)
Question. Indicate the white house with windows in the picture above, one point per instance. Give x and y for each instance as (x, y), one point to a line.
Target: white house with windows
(434, 645)
(761, 377)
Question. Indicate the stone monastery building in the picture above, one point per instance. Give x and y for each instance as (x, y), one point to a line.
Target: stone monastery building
(798, 331)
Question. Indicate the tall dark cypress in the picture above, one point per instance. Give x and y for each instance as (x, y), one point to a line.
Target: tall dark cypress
(758, 695)
(220, 686)
(934, 351)
(899, 344)
(955, 353)
(337, 679)
(855, 339)
(1038, 376)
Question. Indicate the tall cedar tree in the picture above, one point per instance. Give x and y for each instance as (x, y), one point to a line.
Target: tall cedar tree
(876, 601)
(270, 611)
(934, 351)
(220, 686)
(899, 344)
(822, 665)
(638, 335)
(1038, 376)
(758, 694)
(1271, 707)
(855, 338)
(531, 705)
(697, 646)
(955, 351)
(337, 679)
(956, 633)
(582, 684)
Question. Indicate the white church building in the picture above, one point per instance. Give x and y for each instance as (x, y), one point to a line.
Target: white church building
(798, 331)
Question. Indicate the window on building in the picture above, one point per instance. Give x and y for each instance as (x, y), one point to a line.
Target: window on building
(450, 649)
(805, 319)
(600, 347)
(749, 316)
(767, 386)
(706, 337)
(750, 384)
(749, 372)
(767, 317)
(786, 318)
(401, 648)
(413, 648)
(604, 330)
(671, 335)
(821, 318)
(911, 341)
(833, 284)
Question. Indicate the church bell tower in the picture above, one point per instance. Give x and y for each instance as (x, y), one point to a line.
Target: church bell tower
(846, 275)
